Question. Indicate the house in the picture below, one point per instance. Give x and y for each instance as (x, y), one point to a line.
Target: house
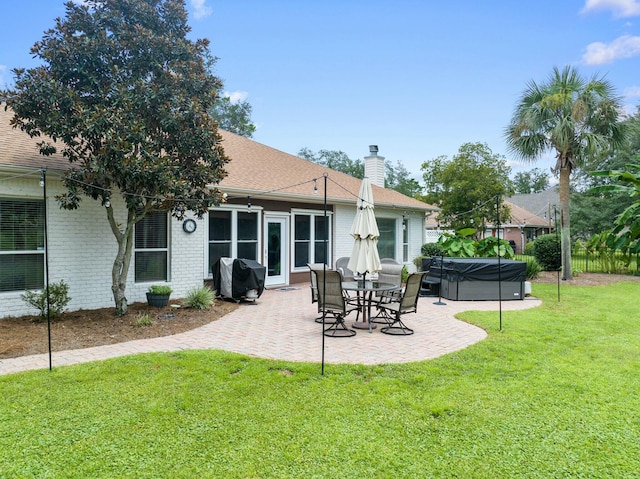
(519, 228)
(541, 203)
(274, 213)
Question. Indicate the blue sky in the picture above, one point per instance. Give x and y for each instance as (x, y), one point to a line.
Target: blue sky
(418, 78)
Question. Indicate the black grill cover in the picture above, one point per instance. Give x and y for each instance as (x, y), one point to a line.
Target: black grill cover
(478, 269)
(246, 275)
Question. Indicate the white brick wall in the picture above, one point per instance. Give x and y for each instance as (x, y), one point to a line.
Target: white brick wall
(82, 249)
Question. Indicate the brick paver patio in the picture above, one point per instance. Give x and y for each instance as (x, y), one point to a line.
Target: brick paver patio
(280, 325)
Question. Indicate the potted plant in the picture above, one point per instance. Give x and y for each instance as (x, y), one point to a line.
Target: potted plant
(158, 295)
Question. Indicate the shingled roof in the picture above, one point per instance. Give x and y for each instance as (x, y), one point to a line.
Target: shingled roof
(255, 169)
(18, 149)
(522, 217)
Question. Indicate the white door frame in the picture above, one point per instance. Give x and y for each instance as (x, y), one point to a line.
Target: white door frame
(281, 219)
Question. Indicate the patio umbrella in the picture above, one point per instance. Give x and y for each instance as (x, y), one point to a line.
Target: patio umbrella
(364, 257)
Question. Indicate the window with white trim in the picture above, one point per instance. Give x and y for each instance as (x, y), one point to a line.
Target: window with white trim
(151, 253)
(387, 241)
(309, 233)
(21, 244)
(405, 240)
(232, 234)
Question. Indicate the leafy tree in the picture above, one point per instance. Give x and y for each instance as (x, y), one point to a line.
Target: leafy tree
(625, 235)
(127, 96)
(532, 181)
(465, 188)
(608, 160)
(396, 178)
(399, 179)
(336, 160)
(573, 117)
(234, 116)
(591, 212)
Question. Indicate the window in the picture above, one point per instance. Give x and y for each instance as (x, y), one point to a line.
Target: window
(387, 240)
(152, 248)
(310, 233)
(232, 234)
(21, 244)
(247, 235)
(405, 240)
(219, 235)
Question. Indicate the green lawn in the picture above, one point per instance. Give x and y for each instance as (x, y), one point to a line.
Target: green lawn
(556, 394)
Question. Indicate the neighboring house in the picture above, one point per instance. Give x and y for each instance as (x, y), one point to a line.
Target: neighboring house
(541, 203)
(520, 227)
(274, 213)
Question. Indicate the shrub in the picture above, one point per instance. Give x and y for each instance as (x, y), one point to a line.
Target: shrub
(529, 248)
(430, 249)
(459, 245)
(609, 261)
(160, 289)
(548, 253)
(58, 299)
(488, 248)
(418, 262)
(201, 298)
(533, 268)
(143, 319)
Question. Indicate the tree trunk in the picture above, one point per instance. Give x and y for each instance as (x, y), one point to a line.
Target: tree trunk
(565, 174)
(120, 269)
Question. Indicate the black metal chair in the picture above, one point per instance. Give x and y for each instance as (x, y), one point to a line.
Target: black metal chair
(332, 301)
(430, 285)
(389, 273)
(407, 303)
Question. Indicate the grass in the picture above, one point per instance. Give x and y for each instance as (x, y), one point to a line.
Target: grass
(556, 394)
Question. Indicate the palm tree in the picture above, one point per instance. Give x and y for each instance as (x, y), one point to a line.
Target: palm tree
(574, 117)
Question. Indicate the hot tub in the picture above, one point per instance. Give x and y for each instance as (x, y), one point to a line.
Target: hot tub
(478, 279)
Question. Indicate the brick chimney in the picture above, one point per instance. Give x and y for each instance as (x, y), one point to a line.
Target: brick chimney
(374, 166)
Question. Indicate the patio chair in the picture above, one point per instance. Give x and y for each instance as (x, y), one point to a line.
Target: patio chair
(332, 301)
(388, 261)
(389, 273)
(430, 286)
(313, 267)
(341, 265)
(312, 278)
(407, 303)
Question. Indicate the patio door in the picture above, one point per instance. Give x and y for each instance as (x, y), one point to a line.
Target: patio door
(276, 241)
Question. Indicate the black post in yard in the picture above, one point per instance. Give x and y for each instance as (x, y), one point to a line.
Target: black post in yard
(499, 259)
(440, 302)
(324, 270)
(555, 219)
(43, 183)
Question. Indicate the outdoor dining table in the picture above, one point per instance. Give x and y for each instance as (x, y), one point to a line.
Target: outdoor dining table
(365, 290)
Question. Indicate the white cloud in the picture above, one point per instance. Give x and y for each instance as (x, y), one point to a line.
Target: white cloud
(620, 8)
(599, 53)
(200, 10)
(3, 70)
(236, 96)
(632, 92)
